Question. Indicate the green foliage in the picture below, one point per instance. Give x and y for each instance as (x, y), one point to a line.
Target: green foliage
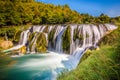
(66, 39)
(87, 19)
(17, 12)
(103, 19)
(111, 38)
(99, 65)
(7, 31)
(86, 55)
(116, 56)
(12, 32)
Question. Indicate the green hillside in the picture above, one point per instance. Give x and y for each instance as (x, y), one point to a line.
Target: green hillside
(19, 12)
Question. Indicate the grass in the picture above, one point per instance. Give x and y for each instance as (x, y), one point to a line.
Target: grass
(100, 65)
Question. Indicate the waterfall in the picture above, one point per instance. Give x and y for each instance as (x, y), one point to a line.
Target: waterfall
(81, 37)
(74, 40)
(59, 40)
(22, 42)
(72, 45)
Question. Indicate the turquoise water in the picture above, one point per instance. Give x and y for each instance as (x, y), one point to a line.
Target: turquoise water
(39, 66)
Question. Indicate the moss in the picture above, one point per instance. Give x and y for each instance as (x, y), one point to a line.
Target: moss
(86, 55)
(41, 45)
(31, 37)
(66, 40)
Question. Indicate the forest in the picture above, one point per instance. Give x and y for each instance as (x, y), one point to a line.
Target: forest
(19, 12)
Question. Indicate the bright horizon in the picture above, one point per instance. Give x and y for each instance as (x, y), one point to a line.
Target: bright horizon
(92, 7)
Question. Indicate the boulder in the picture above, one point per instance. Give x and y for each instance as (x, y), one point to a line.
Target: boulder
(5, 44)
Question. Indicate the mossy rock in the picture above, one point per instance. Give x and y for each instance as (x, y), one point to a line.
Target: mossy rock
(31, 36)
(40, 42)
(30, 40)
(41, 49)
(41, 45)
(66, 40)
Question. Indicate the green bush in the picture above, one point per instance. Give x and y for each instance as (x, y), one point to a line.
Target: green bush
(8, 31)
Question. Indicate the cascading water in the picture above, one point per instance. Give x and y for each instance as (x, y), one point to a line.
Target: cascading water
(59, 40)
(88, 35)
(22, 42)
(81, 38)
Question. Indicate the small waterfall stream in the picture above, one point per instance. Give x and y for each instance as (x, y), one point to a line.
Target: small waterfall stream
(81, 38)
